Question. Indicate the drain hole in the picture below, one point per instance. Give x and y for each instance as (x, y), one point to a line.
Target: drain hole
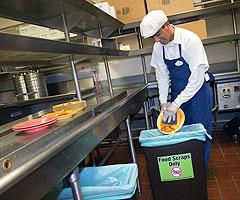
(7, 164)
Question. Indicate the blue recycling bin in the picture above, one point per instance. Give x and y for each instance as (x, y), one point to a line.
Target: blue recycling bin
(175, 163)
(106, 182)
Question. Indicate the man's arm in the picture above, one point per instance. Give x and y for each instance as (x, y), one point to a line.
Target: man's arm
(162, 77)
(198, 65)
(161, 72)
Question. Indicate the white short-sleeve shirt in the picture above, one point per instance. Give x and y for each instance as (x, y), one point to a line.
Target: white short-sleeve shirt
(193, 53)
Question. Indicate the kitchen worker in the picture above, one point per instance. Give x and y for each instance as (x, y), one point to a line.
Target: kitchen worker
(180, 63)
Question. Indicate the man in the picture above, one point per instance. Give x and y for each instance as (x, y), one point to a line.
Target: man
(180, 63)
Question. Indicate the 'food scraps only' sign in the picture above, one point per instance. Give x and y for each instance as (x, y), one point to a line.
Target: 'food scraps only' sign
(175, 167)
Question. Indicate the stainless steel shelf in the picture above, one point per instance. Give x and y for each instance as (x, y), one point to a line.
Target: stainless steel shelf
(22, 50)
(145, 51)
(37, 45)
(220, 39)
(214, 40)
(82, 17)
(54, 98)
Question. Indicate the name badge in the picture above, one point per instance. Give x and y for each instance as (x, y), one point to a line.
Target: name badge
(178, 63)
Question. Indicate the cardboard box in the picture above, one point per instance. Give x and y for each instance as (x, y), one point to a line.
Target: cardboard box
(131, 42)
(5, 23)
(129, 11)
(170, 7)
(198, 27)
(128, 41)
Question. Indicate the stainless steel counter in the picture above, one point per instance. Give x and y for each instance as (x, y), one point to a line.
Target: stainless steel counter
(54, 98)
(33, 164)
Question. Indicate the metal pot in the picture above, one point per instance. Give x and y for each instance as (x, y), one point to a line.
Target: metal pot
(20, 85)
(36, 85)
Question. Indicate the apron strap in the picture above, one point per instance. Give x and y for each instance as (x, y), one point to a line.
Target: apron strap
(163, 53)
(180, 49)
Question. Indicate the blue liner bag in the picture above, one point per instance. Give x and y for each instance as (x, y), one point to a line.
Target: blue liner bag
(155, 138)
(106, 182)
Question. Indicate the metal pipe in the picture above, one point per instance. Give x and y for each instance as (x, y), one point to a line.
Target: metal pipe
(105, 60)
(109, 153)
(237, 55)
(146, 115)
(130, 140)
(132, 149)
(151, 116)
(108, 142)
(144, 69)
(237, 41)
(92, 159)
(74, 181)
(226, 73)
(142, 56)
(207, 2)
(110, 87)
(235, 32)
(71, 59)
(151, 121)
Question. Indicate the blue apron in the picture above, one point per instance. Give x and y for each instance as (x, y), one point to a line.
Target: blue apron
(199, 108)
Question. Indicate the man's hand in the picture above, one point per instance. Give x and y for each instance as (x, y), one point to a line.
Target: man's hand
(164, 106)
(172, 108)
(166, 116)
(170, 112)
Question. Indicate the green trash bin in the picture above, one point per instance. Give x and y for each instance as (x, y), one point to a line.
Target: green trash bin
(176, 163)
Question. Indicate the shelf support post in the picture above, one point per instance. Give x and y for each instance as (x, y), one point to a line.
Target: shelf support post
(132, 150)
(108, 75)
(74, 180)
(237, 41)
(71, 59)
(105, 60)
(142, 56)
(146, 114)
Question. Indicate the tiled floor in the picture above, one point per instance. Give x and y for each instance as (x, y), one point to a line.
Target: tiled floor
(224, 182)
(224, 178)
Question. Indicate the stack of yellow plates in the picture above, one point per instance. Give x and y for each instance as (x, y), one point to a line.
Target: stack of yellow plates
(76, 105)
(63, 114)
(171, 128)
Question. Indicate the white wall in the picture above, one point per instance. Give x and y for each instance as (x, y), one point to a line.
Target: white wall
(124, 68)
(221, 52)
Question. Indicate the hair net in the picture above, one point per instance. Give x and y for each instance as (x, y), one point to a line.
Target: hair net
(152, 22)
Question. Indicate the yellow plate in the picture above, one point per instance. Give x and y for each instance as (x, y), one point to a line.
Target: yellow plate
(167, 128)
(70, 105)
(61, 115)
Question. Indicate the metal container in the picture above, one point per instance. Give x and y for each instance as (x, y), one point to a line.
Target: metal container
(21, 88)
(36, 85)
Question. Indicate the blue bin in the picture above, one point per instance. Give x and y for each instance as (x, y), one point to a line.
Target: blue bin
(106, 182)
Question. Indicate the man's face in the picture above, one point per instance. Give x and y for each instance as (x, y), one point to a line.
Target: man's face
(164, 35)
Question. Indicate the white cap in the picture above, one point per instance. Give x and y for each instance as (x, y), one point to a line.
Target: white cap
(152, 22)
